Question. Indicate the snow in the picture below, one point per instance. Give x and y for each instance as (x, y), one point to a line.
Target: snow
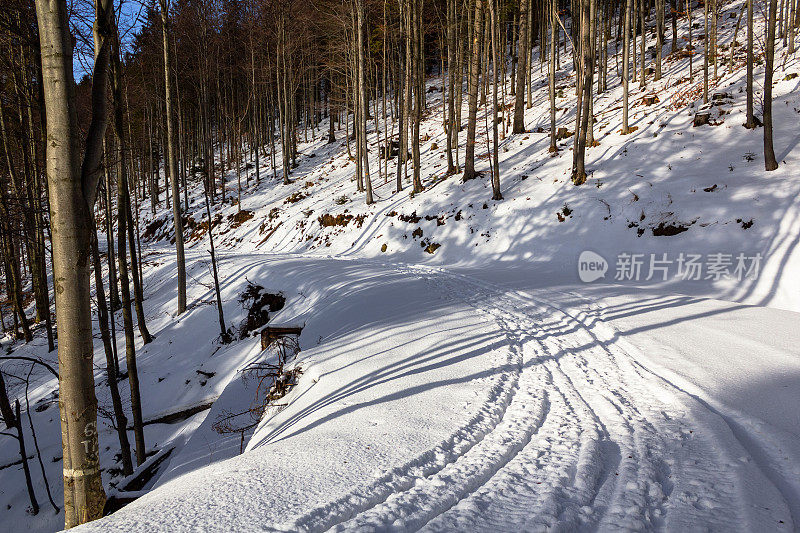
(482, 387)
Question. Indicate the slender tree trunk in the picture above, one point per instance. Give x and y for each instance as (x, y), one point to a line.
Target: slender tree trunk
(172, 160)
(362, 95)
(770, 163)
(5, 405)
(714, 55)
(13, 278)
(659, 37)
(626, 47)
(138, 295)
(123, 188)
(472, 89)
(23, 454)
(419, 90)
(552, 73)
(706, 42)
(496, 194)
(642, 45)
(579, 172)
(127, 319)
(691, 43)
(120, 419)
(674, 17)
(519, 103)
(750, 122)
(401, 105)
(223, 333)
(452, 129)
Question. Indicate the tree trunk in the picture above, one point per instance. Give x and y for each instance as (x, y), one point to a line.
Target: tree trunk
(362, 96)
(496, 194)
(172, 160)
(23, 454)
(120, 419)
(72, 189)
(419, 89)
(659, 37)
(770, 163)
(626, 52)
(127, 318)
(552, 73)
(750, 122)
(579, 171)
(519, 103)
(706, 42)
(642, 45)
(123, 188)
(452, 44)
(5, 405)
(223, 333)
(472, 89)
(401, 107)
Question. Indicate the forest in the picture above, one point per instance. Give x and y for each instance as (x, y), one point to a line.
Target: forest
(131, 126)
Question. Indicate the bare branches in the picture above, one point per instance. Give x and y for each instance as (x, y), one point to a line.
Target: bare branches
(273, 381)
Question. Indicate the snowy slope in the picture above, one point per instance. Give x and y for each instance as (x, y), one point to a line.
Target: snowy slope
(483, 386)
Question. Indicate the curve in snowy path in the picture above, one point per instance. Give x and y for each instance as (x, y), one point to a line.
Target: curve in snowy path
(588, 441)
(765, 446)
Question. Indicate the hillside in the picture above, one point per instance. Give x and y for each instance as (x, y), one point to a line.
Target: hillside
(706, 183)
(455, 372)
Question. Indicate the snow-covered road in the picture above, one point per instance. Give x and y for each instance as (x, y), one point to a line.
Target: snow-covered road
(589, 438)
(501, 406)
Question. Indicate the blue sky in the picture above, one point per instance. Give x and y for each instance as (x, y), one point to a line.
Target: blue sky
(130, 13)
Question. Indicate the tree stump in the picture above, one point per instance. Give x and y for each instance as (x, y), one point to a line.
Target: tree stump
(650, 99)
(272, 333)
(702, 118)
(562, 133)
(720, 98)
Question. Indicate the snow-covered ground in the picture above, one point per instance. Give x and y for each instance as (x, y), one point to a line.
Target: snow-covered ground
(483, 386)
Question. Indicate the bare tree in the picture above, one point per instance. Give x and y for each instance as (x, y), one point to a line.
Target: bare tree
(751, 120)
(770, 163)
(72, 190)
(172, 159)
(519, 103)
(553, 9)
(496, 194)
(472, 89)
(362, 99)
(419, 88)
(626, 52)
(452, 72)
(583, 123)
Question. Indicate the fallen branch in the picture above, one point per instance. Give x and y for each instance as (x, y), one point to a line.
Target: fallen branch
(180, 414)
(31, 359)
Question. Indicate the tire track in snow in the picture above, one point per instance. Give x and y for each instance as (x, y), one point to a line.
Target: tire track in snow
(561, 490)
(763, 450)
(586, 441)
(529, 408)
(635, 410)
(581, 469)
(404, 477)
(677, 444)
(636, 441)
